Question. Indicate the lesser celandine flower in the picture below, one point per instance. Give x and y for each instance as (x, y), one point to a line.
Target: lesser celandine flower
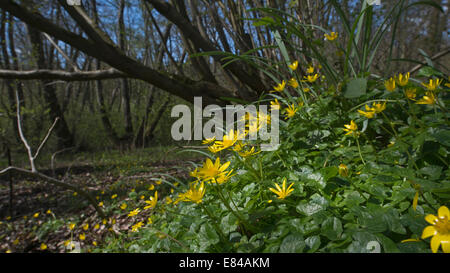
(311, 78)
(228, 139)
(151, 187)
(214, 148)
(194, 194)
(410, 93)
(209, 171)
(390, 84)
(432, 84)
(378, 107)
(369, 114)
(71, 226)
(275, 104)
(86, 227)
(429, 98)
(36, 215)
(293, 82)
(280, 87)
(247, 153)
(134, 212)
(439, 229)
(294, 65)
(43, 246)
(82, 236)
(332, 36)
(209, 140)
(291, 110)
(239, 146)
(282, 192)
(123, 206)
(310, 69)
(136, 226)
(152, 202)
(402, 80)
(222, 178)
(350, 128)
(343, 170)
(113, 196)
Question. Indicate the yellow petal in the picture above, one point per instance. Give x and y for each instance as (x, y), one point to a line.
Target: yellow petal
(446, 244)
(410, 240)
(416, 199)
(428, 231)
(443, 211)
(435, 242)
(430, 218)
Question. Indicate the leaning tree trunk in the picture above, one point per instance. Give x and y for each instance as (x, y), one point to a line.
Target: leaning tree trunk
(65, 137)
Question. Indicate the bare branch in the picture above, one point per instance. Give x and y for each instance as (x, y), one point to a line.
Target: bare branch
(45, 74)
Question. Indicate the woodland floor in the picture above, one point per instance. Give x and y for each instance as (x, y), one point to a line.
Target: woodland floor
(22, 232)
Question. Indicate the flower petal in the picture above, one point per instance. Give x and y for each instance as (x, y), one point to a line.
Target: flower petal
(446, 243)
(435, 242)
(428, 231)
(443, 211)
(430, 218)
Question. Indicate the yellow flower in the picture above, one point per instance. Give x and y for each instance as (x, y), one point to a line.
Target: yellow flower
(368, 114)
(350, 128)
(293, 82)
(439, 229)
(123, 206)
(86, 227)
(432, 84)
(152, 202)
(310, 69)
(239, 146)
(280, 87)
(16, 241)
(224, 177)
(209, 140)
(134, 212)
(311, 78)
(151, 187)
(402, 80)
(43, 246)
(282, 192)
(149, 221)
(378, 107)
(49, 212)
(158, 182)
(71, 226)
(75, 193)
(248, 153)
(228, 140)
(291, 110)
(429, 98)
(94, 243)
(275, 104)
(214, 148)
(97, 226)
(390, 84)
(82, 236)
(306, 90)
(332, 36)
(210, 171)
(142, 197)
(36, 215)
(411, 93)
(194, 194)
(168, 200)
(294, 65)
(343, 170)
(136, 226)
(113, 196)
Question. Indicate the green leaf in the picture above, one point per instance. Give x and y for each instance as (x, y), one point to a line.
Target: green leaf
(293, 243)
(264, 21)
(229, 223)
(313, 243)
(332, 228)
(316, 204)
(356, 88)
